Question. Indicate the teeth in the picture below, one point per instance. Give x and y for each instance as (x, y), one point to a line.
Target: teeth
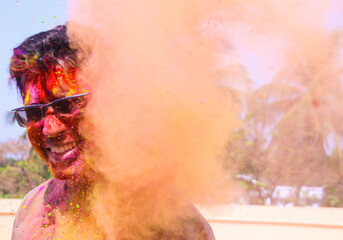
(63, 149)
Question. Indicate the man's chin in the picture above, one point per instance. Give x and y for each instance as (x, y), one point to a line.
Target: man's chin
(63, 171)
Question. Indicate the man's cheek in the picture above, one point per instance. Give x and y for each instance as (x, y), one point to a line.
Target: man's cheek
(35, 136)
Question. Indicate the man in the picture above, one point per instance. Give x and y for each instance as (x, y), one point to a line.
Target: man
(45, 70)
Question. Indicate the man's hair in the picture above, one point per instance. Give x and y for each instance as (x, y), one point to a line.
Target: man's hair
(38, 54)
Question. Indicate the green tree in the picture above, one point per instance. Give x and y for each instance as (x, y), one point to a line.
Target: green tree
(21, 169)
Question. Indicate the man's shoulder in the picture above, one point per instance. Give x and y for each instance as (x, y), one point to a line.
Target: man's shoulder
(197, 227)
(38, 191)
(34, 199)
(30, 211)
(191, 226)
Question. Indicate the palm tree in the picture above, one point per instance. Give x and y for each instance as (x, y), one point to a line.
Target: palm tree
(304, 105)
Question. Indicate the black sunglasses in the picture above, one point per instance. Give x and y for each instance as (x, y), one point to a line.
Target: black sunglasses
(64, 108)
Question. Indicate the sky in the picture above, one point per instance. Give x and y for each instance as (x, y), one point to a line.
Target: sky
(19, 20)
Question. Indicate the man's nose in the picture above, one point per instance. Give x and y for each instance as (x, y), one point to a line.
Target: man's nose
(52, 126)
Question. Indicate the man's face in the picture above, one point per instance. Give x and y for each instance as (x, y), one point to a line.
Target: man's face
(56, 140)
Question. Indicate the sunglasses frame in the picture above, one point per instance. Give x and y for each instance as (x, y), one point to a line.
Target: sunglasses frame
(41, 107)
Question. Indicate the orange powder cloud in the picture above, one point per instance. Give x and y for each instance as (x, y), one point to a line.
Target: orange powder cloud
(160, 120)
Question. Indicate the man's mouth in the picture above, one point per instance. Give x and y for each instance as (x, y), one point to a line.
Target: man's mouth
(62, 149)
(66, 153)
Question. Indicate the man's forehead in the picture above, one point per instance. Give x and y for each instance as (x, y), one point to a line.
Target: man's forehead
(56, 84)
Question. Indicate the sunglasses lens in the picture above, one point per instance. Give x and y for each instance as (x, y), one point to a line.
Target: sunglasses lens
(21, 118)
(63, 106)
(33, 114)
(70, 107)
